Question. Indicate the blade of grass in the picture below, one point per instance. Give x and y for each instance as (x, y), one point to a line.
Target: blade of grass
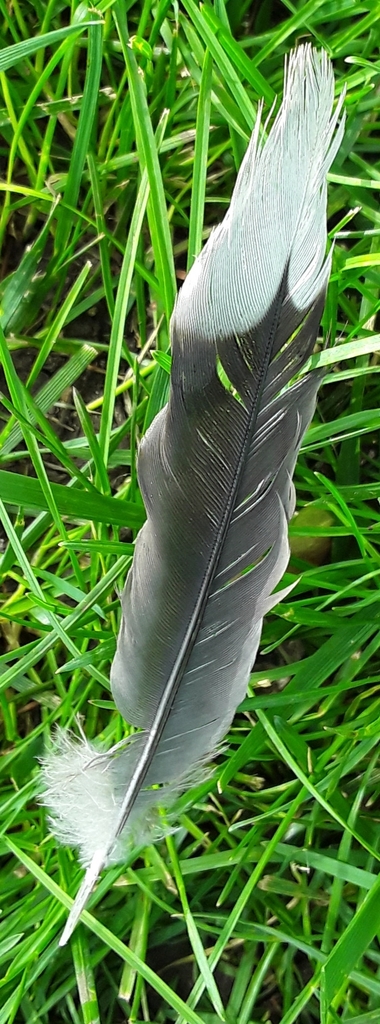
(198, 191)
(83, 133)
(350, 948)
(24, 492)
(85, 979)
(148, 157)
(12, 55)
(118, 323)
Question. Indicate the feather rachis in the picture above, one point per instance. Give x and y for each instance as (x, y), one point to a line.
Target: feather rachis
(216, 465)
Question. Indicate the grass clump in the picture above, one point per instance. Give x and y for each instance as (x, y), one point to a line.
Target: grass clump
(122, 129)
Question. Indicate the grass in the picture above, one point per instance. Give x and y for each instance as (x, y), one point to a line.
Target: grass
(122, 128)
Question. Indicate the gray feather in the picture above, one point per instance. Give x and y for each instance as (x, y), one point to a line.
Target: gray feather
(215, 471)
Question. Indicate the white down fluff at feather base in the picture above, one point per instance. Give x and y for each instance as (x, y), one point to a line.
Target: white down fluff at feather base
(215, 471)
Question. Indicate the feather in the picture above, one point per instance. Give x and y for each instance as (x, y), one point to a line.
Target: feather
(215, 471)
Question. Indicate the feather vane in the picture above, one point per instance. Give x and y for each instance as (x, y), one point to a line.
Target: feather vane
(215, 471)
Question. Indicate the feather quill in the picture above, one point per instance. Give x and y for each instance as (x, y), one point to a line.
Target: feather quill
(215, 471)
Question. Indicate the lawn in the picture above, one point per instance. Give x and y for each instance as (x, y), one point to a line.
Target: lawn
(122, 128)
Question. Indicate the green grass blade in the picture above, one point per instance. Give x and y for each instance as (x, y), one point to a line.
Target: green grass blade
(118, 323)
(11, 55)
(83, 133)
(349, 949)
(148, 157)
(200, 163)
(77, 505)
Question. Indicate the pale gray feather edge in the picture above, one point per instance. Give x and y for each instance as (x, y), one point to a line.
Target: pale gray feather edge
(215, 471)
